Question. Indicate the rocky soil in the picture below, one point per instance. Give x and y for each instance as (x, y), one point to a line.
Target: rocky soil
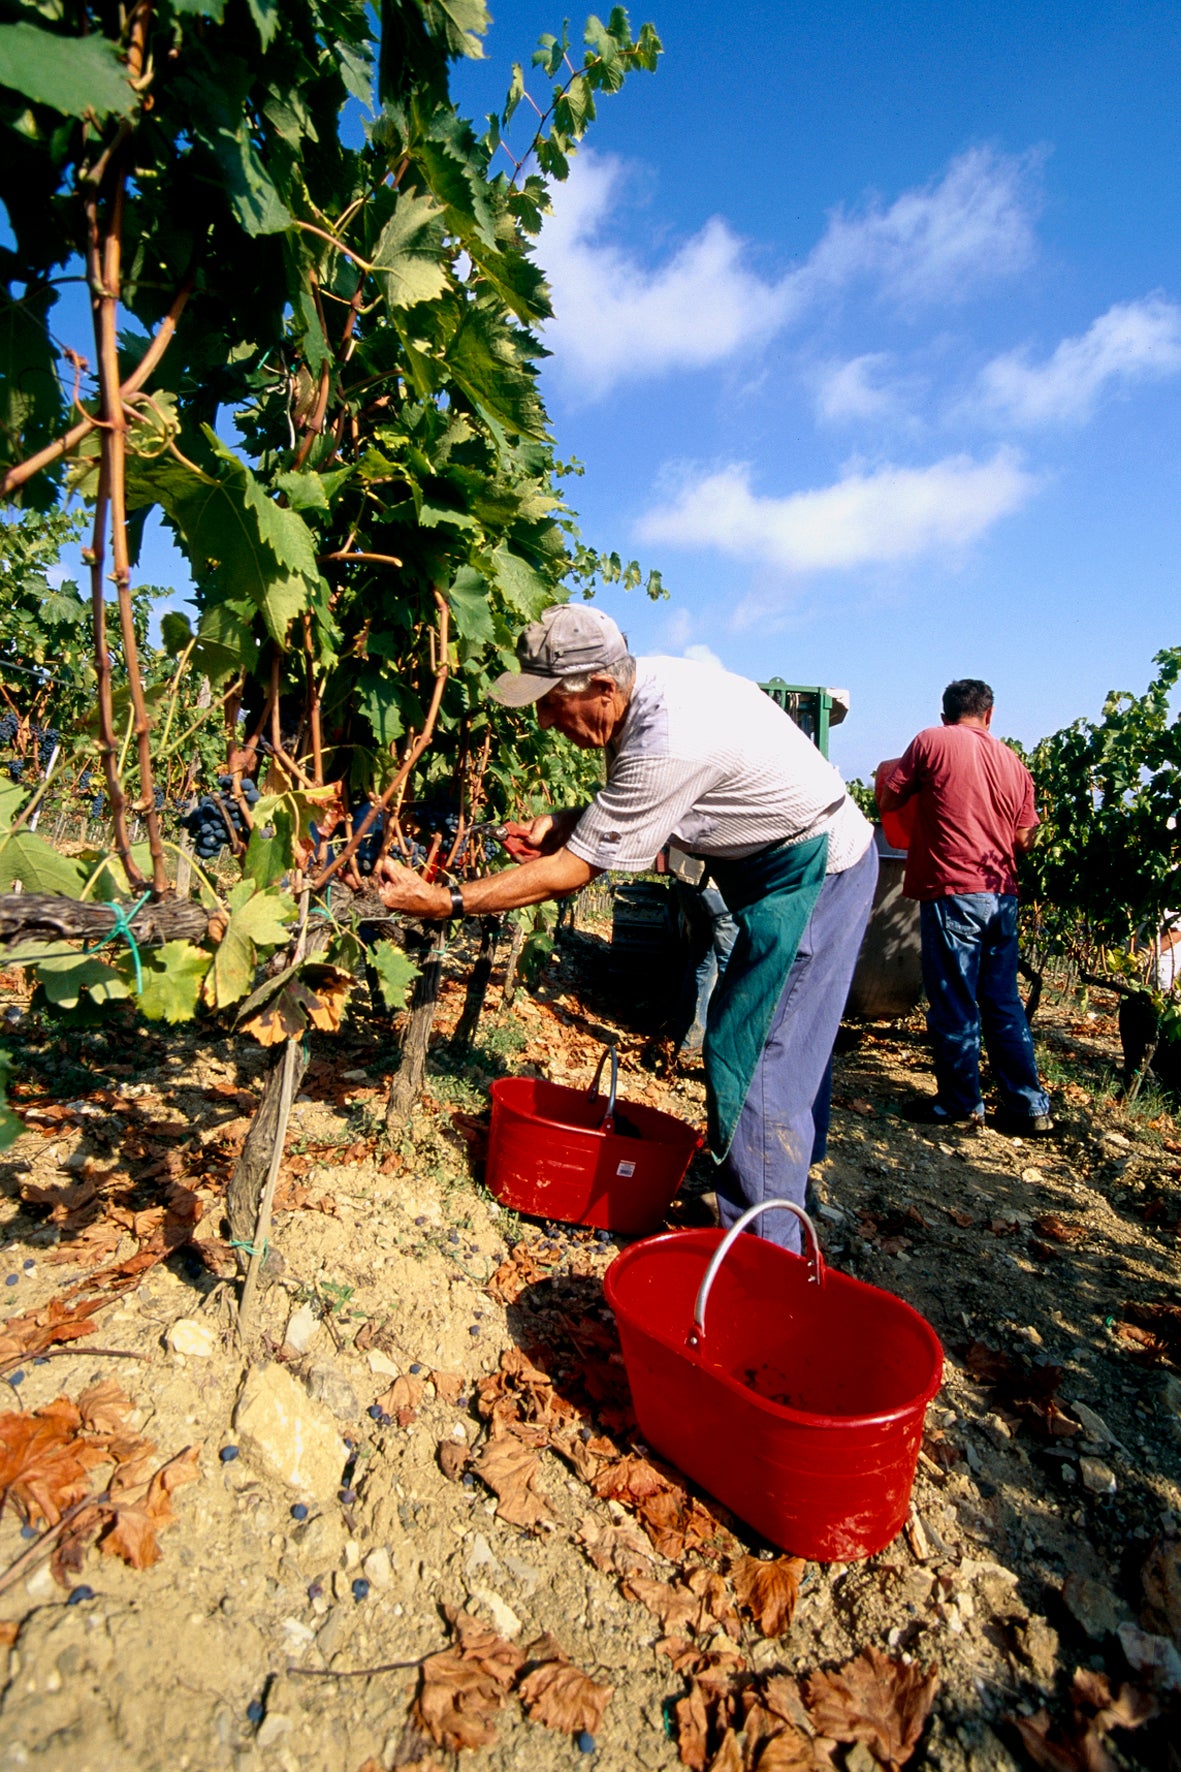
(426, 1449)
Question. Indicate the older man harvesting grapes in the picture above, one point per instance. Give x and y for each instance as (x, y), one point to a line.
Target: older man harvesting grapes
(705, 759)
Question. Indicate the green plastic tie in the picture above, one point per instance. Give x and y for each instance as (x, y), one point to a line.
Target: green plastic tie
(123, 927)
(236, 1243)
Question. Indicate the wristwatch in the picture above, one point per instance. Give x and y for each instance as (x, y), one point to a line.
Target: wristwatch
(457, 909)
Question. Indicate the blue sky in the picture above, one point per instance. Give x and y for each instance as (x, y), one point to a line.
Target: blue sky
(868, 332)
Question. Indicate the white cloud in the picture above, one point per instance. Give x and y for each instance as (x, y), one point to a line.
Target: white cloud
(678, 628)
(703, 654)
(1133, 341)
(856, 390)
(938, 243)
(617, 319)
(892, 513)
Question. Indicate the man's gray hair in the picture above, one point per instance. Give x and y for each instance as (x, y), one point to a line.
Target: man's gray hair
(622, 672)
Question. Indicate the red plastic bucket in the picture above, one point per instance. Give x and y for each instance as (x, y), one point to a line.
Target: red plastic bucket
(802, 1408)
(561, 1153)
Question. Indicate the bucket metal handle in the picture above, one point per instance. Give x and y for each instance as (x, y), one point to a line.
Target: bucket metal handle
(608, 1121)
(815, 1260)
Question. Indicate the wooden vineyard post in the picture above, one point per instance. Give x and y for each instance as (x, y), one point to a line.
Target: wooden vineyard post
(477, 989)
(408, 1077)
(516, 943)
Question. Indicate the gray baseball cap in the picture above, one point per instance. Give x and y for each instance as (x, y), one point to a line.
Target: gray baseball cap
(567, 641)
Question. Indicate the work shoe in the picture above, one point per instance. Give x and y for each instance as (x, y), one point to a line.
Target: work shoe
(927, 1112)
(1024, 1125)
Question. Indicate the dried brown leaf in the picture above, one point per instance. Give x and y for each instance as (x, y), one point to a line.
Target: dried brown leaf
(874, 1699)
(449, 1386)
(729, 1755)
(675, 1607)
(693, 1719)
(510, 1471)
(479, 1643)
(790, 1750)
(1059, 1230)
(453, 1458)
(616, 1549)
(769, 1590)
(105, 1408)
(457, 1702)
(716, 1601)
(33, 1332)
(403, 1399)
(44, 1464)
(561, 1696)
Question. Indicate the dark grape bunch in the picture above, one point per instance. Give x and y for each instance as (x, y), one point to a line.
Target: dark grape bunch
(44, 741)
(206, 822)
(368, 851)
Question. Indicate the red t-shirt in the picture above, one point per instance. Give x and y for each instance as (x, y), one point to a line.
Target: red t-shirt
(972, 794)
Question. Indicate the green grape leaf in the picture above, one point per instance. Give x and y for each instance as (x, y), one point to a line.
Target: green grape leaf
(468, 601)
(30, 860)
(173, 976)
(409, 257)
(73, 75)
(67, 976)
(10, 1127)
(270, 849)
(521, 585)
(12, 798)
(258, 919)
(265, 14)
(256, 202)
(395, 971)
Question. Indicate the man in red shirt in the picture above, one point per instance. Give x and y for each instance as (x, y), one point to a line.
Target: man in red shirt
(972, 815)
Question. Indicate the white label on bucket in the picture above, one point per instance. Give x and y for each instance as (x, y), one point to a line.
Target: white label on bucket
(626, 1169)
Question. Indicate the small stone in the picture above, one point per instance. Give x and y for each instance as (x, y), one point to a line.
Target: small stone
(275, 1726)
(1098, 1477)
(40, 1585)
(1154, 1658)
(326, 1385)
(1096, 1428)
(1037, 1644)
(1094, 1608)
(291, 1437)
(501, 1614)
(859, 1759)
(193, 1337)
(302, 1326)
(379, 1570)
(381, 1365)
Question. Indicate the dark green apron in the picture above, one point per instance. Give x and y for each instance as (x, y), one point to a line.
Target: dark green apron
(770, 895)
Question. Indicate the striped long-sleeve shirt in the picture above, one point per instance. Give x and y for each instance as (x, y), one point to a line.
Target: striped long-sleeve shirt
(706, 759)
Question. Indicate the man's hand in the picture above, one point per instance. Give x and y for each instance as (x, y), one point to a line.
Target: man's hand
(543, 835)
(1024, 839)
(401, 889)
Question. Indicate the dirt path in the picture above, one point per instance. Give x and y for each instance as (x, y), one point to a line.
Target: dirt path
(1047, 1506)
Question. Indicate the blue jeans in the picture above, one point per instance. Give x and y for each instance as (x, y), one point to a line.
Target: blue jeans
(713, 933)
(970, 977)
(784, 1121)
